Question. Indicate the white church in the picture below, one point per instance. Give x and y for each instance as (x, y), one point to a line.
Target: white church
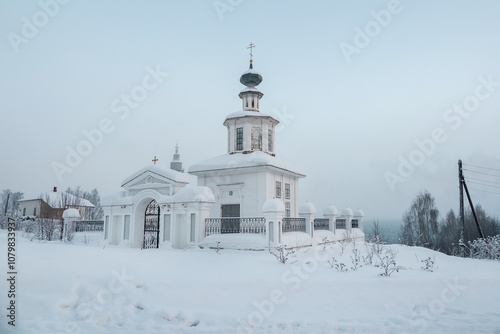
(244, 199)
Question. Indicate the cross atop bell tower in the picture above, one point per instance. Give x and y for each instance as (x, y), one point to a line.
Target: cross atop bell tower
(251, 46)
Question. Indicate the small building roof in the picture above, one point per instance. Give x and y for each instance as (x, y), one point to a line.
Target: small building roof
(60, 199)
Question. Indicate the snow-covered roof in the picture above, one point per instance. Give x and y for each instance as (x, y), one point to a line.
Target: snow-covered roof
(60, 199)
(160, 171)
(248, 113)
(240, 160)
(194, 194)
(189, 193)
(273, 206)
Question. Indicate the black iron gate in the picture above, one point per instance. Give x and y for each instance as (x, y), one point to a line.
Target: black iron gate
(151, 225)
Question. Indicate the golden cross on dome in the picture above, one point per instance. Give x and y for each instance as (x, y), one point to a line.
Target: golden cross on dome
(155, 160)
(251, 46)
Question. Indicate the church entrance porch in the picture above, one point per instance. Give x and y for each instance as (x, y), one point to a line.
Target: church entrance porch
(152, 225)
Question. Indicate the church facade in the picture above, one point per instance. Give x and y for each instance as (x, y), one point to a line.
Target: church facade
(249, 174)
(246, 198)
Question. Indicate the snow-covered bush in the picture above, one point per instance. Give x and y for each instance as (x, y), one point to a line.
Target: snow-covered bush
(428, 264)
(488, 248)
(339, 266)
(372, 248)
(387, 261)
(356, 258)
(282, 254)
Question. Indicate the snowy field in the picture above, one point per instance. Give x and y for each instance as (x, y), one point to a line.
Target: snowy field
(87, 288)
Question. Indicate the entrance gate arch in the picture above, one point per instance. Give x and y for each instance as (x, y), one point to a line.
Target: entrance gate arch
(151, 225)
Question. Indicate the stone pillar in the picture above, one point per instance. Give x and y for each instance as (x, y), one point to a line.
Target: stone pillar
(203, 213)
(331, 213)
(69, 217)
(274, 211)
(308, 211)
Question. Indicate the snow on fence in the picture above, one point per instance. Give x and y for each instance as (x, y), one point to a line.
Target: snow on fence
(88, 225)
(235, 225)
(294, 224)
(321, 224)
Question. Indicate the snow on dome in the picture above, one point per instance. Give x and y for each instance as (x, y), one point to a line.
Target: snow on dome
(194, 194)
(330, 210)
(307, 208)
(251, 78)
(346, 212)
(273, 206)
(160, 171)
(71, 213)
(359, 213)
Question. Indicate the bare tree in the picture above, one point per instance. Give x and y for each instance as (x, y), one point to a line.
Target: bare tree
(420, 222)
(377, 233)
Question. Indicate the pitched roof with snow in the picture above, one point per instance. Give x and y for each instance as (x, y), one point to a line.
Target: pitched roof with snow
(240, 160)
(160, 171)
(60, 199)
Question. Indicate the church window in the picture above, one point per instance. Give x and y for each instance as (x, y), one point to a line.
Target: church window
(270, 140)
(256, 139)
(239, 139)
(287, 209)
(287, 190)
(278, 189)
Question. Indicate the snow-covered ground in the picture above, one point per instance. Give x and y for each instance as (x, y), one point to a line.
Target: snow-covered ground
(88, 288)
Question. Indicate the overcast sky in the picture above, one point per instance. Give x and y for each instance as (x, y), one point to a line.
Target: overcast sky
(356, 85)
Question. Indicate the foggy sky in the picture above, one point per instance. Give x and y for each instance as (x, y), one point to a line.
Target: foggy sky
(365, 92)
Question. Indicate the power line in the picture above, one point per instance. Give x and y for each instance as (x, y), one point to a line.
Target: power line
(485, 191)
(486, 185)
(473, 171)
(496, 169)
(472, 178)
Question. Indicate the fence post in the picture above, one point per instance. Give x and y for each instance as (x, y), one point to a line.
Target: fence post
(331, 213)
(69, 216)
(308, 211)
(274, 211)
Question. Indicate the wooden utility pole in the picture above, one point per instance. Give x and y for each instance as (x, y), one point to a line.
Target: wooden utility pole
(463, 185)
(462, 215)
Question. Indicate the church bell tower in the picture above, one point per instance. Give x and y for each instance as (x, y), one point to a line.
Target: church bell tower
(249, 130)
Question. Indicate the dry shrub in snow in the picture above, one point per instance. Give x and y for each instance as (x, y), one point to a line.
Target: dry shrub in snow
(488, 248)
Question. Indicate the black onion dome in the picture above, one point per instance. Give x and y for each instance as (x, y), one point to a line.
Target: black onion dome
(251, 78)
